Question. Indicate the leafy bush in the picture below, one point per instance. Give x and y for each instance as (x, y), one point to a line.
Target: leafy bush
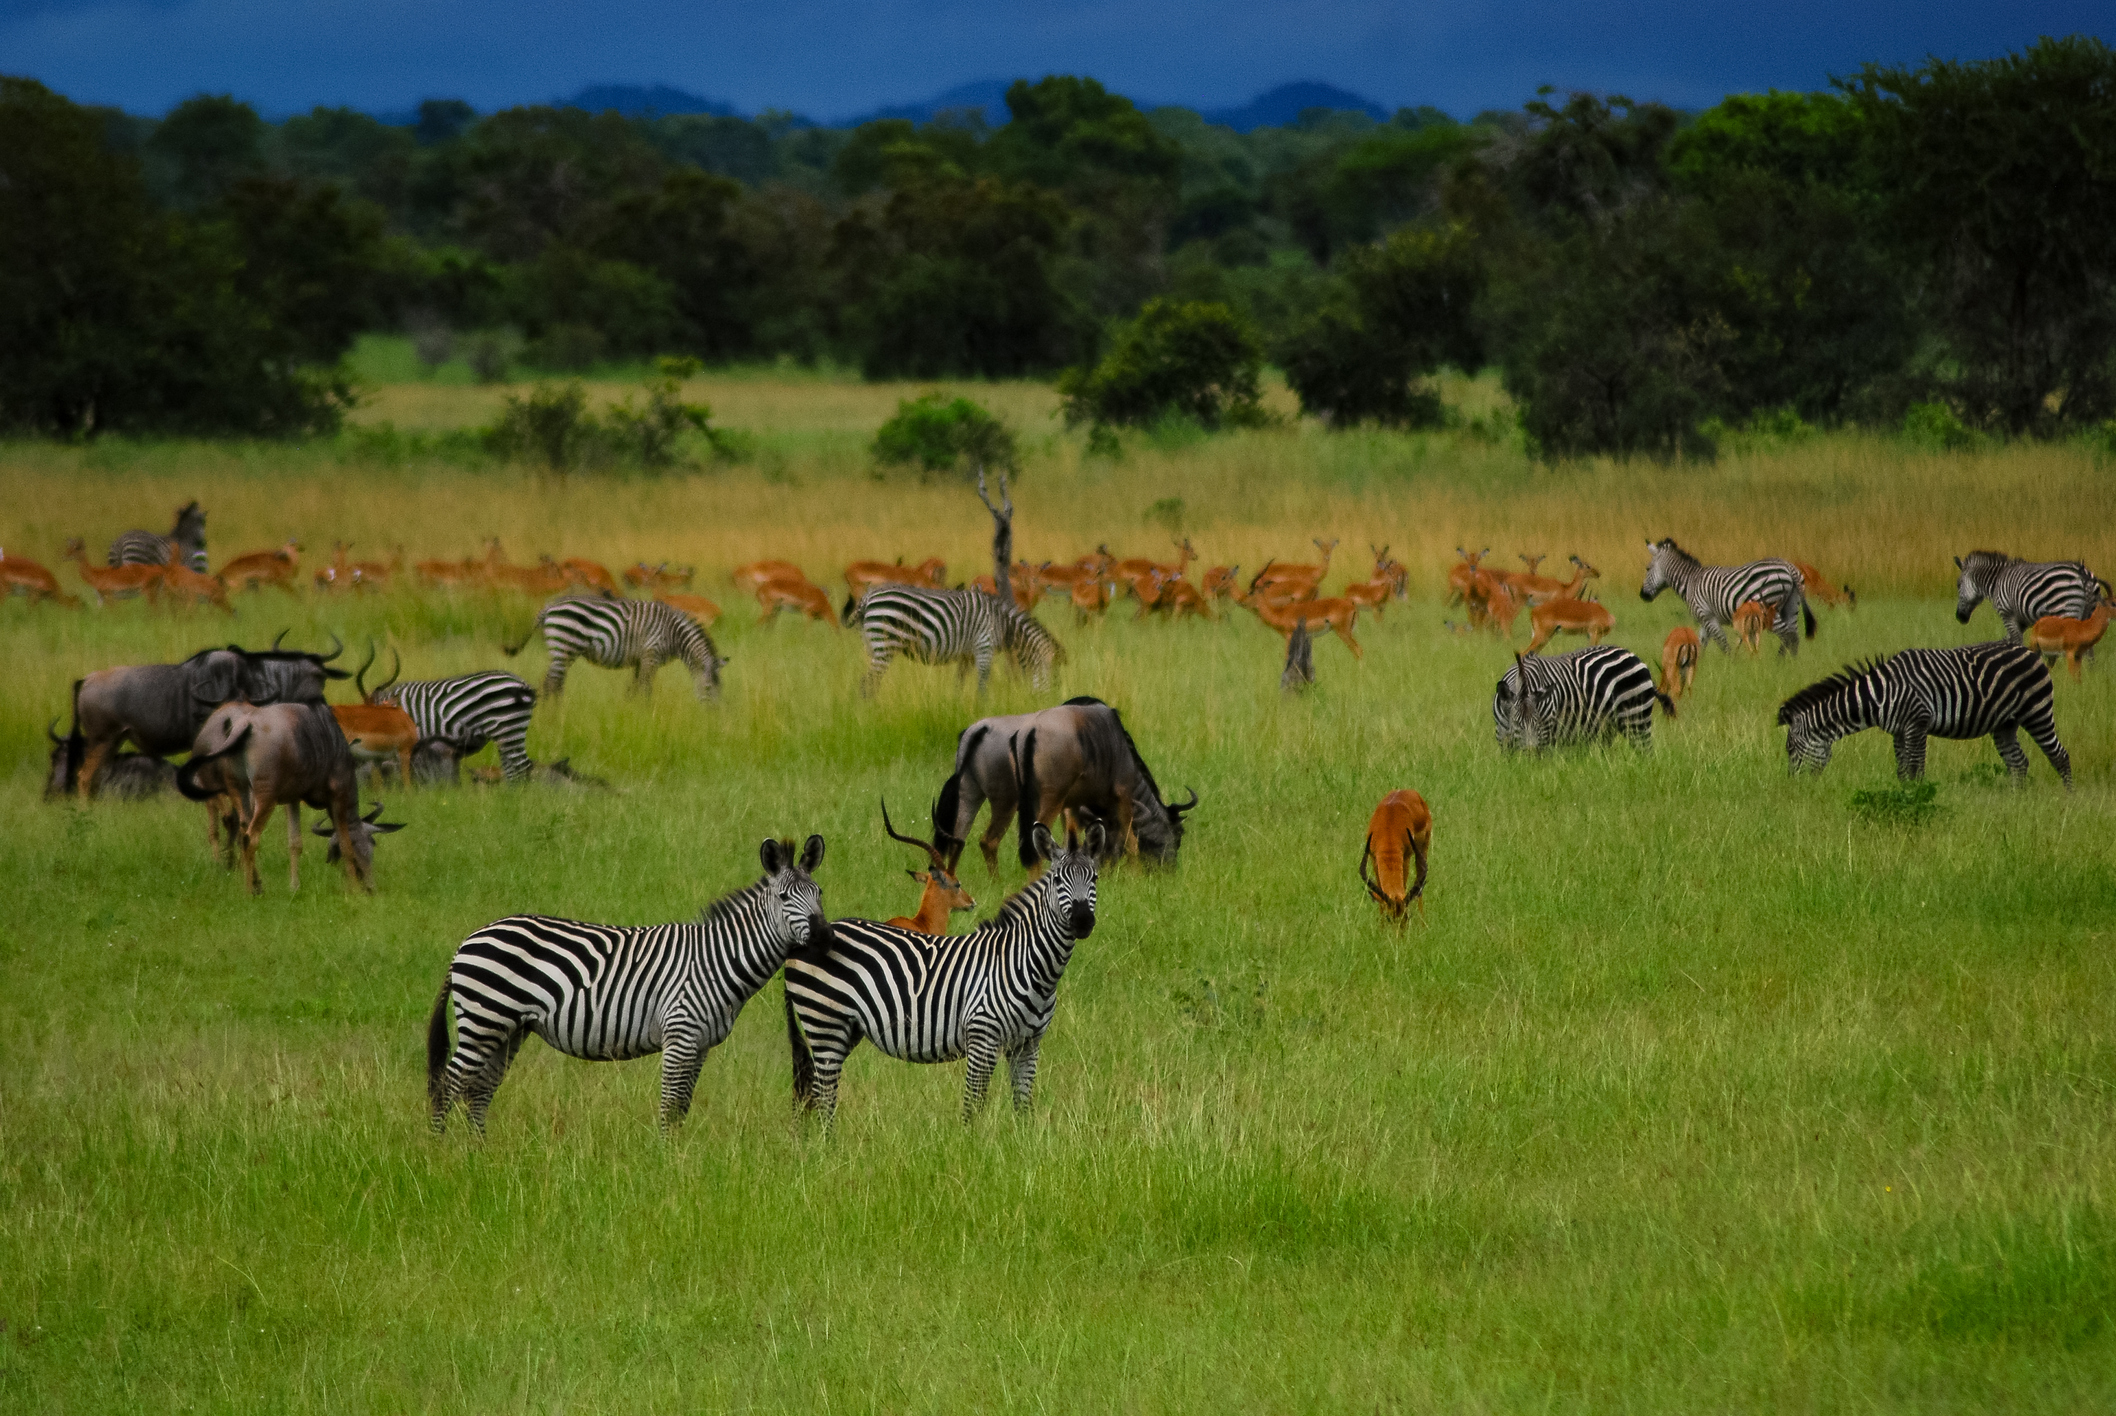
(491, 353)
(1904, 804)
(1198, 360)
(553, 426)
(942, 434)
(1935, 427)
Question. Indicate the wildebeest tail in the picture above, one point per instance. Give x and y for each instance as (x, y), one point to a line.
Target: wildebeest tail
(76, 745)
(949, 803)
(437, 1044)
(804, 1061)
(1807, 613)
(1028, 796)
(187, 775)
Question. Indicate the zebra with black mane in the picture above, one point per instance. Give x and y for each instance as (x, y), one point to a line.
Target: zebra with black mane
(638, 634)
(1979, 689)
(608, 993)
(934, 998)
(2022, 592)
(1714, 592)
(469, 711)
(962, 627)
(185, 544)
(1581, 696)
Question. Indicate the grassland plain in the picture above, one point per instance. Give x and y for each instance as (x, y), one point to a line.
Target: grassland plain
(1696, 1090)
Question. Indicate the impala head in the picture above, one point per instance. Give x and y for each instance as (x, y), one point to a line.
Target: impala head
(1585, 569)
(791, 889)
(937, 876)
(1071, 873)
(396, 666)
(362, 835)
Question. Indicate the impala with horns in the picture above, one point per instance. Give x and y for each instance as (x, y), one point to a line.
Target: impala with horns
(1463, 573)
(115, 582)
(942, 894)
(259, 568)
(378, 732)
(1077, 757)
(1399, 835)
(862, 576)
(1282, 580)
(159, 708)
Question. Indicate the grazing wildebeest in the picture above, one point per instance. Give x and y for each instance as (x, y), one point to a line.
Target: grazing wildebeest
(128, 776)
(1076, 757)
(159, 708)
(281, 754)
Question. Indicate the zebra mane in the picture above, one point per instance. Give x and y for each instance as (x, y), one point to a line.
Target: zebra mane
(1021, 903)
(729, 905)
(1823, 690)
(1667, 543)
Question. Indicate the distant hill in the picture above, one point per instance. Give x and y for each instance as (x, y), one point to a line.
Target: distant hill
(986, 96)
(1286, 103)
(645, 101)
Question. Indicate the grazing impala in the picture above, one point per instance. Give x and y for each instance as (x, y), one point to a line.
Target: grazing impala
(1678, 661)
(441, 573)
(589, 575)
(2060, 634)
(1817, 588)
(26, 577)
(1568, 616)
(811, 600)
(274, 568)
(664, 576)
(1021, 583)
(699, 610)
(1751, 619)
(187, 584)
(1399, 834)
(1463, 574)
(1135, 573)
(862, 576)
(117, 581)
(749, 577)
(943, 896)
(1338, 614)
(1295, 581)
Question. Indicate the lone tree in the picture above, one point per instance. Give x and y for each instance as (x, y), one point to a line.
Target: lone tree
(956, 436)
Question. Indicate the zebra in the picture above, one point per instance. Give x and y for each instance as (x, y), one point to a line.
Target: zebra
(609, 993)
(950, 626)
(2022, 592)
(470, 711)
(928, 998)
(1714, 592)
(1578, 696)
(1994, 688)
(186, 542)
(614, 633)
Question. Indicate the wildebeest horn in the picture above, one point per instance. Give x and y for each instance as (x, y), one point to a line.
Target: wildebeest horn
(276, 638)
(939, 861)
(50, 731)
(373, 816)
(337, 648)
(1191, 805)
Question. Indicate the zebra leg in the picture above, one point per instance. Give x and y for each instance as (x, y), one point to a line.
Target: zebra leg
(2042, 726)
(681, 1057)
(2007, 741)
(1021, 1071)
(984, 667)
(481, 1085)
(1714, 634)
(555, 675)
(982, 1056)
(1787, 629)
(877, 665)
(643, 676)
(515, 765)
(828, 1048)
(1910, 752)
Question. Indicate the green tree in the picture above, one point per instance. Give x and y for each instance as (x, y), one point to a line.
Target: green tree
(1999, 179)
(311, 263)
(942, 434)
(1200, 361)
(205, 145)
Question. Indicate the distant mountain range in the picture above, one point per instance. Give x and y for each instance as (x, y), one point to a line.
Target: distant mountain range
(1274, 109)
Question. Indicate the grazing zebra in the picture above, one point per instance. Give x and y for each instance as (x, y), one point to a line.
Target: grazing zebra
(1714, 591)
(644, 634)
(1579, 696)
(2022, 592)
(470, 711)
(185, 543)
(950, 626)
(1914, 694)
(608, 993)
(928, 998)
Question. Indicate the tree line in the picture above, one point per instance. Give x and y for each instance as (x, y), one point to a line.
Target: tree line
(1912, 236)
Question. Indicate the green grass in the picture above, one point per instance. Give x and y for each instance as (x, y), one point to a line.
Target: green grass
(1698, 1089)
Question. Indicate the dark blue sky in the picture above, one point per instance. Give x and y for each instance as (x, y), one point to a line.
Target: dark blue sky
(832, 58)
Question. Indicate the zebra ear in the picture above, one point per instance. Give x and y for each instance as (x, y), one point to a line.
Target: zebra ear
(1957, 562)
(773, 856)
(812, 854)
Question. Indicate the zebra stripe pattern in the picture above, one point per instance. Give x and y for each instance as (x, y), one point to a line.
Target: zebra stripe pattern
(1714, 592)
(1580, 696)
(606, 993)
(185, 543)
(2022, 592)
(638, 634)
(1995, 689)
(962, 627)
(927, 998)
(470, 711)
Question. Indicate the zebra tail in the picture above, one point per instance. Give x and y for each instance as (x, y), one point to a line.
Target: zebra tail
(1667, 704)
(850, 615)
(1807, 613)
(1029, 800)
(804, 1061)
(437, 1044)
(187, 775)
(510, 650)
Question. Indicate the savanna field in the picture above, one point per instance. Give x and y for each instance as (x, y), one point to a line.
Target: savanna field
(1699, 1088)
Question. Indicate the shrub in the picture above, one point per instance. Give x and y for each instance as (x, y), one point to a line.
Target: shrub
(491, 353)
(1345, 372)
(551, 425)
(941, 434)
(1935, 427)
(1199, 360)
(1904, 804)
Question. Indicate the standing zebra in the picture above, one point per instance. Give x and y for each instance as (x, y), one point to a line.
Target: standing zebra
(186, 544)
(1579, 696)
(608, 993)
(928, 998)
(1919, 693)
(470, 711)
(950, 626)
(644, 634)
(2022, 592)
(1713, 592)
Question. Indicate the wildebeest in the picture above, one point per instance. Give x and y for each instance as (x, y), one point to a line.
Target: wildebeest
(1076, 757)
(159, 708)
(128, 776)
(281, 754)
